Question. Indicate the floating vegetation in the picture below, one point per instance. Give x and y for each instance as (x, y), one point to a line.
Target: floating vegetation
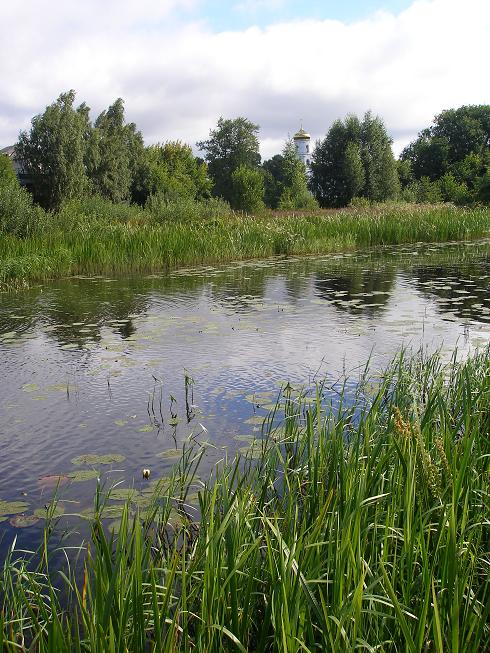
(170, 453)
(98, 459)
(52, 480)
(50, 510)
(12, 507)
(82, 475)
(30, 387)
(23, 521)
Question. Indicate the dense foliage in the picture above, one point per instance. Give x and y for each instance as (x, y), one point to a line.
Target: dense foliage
(450, 160)
(354, 160)
(232, 144)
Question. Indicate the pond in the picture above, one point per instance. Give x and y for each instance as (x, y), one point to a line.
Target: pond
(107, 376)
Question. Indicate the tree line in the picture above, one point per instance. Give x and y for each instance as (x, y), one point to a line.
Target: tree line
(66, 156)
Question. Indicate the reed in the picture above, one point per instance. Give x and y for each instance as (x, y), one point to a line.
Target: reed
(101, 238)
(362, 526)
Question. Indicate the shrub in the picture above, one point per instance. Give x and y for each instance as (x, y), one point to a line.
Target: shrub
(18, 213)
(248, 189)
(184, 209)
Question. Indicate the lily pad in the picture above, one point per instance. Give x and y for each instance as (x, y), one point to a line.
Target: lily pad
(12, 507)
(42, 513)
(120, 422)
(30, 387)
(255, 450)
(81, 475)
(170, 453)
(52, 480)
(257, 419)
(123, 494)
(23, 521)
(146, 429)
(96, 459)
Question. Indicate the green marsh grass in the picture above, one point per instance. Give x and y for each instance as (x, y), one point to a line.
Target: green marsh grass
(361, 527)
(97, 237)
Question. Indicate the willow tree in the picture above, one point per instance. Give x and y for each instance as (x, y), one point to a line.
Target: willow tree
(53, 151)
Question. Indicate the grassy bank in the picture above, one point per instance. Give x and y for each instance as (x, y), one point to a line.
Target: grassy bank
(359, 528)
(98, 238)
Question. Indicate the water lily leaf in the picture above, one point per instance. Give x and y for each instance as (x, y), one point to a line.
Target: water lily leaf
(173, 421)
(81, 475)
(42, 513)
(258, 419)
(96, 459)
(120, 422)
(23, 521)
(12, 507)
(52, 480)
(170, 453)
(123, 494)
(146, 429)
(254, 450)
(30, 387)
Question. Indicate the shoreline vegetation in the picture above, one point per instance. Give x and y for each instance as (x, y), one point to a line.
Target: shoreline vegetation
(356, 526)
(95, 236)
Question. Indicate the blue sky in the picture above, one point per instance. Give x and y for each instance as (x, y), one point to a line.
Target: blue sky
(240, 14)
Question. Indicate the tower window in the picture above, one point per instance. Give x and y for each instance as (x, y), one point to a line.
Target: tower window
(307, 149)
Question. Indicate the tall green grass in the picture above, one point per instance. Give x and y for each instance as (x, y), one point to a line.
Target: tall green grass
(99, 237)
(360, 527)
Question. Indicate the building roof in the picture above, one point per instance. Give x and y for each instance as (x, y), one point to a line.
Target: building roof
(9, 151)
(301, 135)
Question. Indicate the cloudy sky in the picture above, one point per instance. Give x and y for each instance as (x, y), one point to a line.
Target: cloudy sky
(180, 64)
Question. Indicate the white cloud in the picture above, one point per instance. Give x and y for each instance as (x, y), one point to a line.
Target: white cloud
(177, 78)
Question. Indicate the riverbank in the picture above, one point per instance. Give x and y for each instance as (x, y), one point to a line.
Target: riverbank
(360, 526)
(98, 238)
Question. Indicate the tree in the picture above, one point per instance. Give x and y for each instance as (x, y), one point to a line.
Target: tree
(173, 171)
(232, 144)
(273, 180)
(353, 169)
(247, 189)
(295, 193)
(456, 144)
(7, 172)
(115, 151)
(53, 151)
(355, 158)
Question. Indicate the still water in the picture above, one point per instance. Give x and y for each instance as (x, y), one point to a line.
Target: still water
(105, 376)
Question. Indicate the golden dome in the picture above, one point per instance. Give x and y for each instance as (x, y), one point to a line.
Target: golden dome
(301, 135)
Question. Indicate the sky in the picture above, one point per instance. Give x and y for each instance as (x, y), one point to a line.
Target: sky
(181, 64)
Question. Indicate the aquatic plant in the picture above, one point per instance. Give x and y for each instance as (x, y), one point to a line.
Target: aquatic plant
(360, 526)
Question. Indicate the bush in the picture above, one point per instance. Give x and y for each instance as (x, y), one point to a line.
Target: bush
(162, 209)
(97, 209)
(248, 189)
(18, 213)
(360, 202)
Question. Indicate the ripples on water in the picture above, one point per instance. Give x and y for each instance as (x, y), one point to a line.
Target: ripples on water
(98, 366)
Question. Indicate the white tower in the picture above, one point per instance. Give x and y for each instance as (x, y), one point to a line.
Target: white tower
(302, 143)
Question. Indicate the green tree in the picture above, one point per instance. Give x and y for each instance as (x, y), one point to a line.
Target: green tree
(7, 172)
(457, 143)
(295, 193)
(173, 171)
(53, 151)
(274, 180)
(354, 159)
(381, 179)
(234, 143)
(247, 189)
(353, 169)
(114, 154)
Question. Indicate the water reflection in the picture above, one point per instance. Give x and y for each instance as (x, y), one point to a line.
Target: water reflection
(99, 366)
